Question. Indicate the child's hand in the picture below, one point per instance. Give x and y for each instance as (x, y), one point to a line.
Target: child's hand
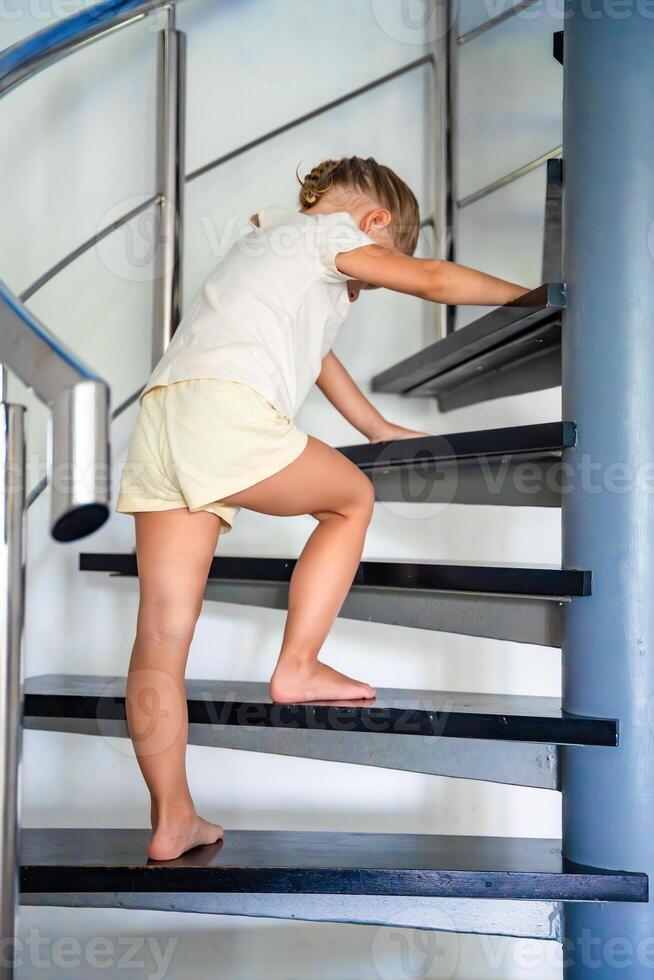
(388, 432)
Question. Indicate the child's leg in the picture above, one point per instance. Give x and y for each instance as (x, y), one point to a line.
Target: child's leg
(323, 483)
(174, 550)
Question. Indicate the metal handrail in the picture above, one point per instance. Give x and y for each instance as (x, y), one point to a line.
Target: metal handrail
(27, 58)
(79, 401)
(42, 485)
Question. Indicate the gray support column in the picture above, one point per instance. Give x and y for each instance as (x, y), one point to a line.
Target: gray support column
(608, 518)
(12, 516)
(170, 181)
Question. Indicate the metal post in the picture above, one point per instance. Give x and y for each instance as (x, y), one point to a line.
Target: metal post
(170, 181)
(12, 578)
(608, 517)
(445, 50)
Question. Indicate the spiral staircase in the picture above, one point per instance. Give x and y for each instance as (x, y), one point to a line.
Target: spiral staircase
(502, 886)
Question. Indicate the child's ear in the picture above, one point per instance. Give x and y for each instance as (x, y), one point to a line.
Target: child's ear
(377, 220)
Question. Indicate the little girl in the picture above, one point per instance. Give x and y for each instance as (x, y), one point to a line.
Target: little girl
(216, 433)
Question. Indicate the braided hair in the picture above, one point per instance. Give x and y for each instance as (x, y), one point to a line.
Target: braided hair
(372, 178)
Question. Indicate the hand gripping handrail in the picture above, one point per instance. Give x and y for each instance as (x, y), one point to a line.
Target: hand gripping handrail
(28, 57)
(79, 401)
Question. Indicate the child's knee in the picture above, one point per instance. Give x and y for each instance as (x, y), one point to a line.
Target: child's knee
(358, 505)
(169, 623)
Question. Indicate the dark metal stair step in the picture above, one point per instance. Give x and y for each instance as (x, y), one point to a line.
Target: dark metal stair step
(410, 576)
(542, 441)
(512, 763)
(394, 711)
(518, 466)
(503, 602)
(533, 764)
(513, 349)
(77, 860)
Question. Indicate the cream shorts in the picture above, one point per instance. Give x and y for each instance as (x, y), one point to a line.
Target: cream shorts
(197, 442)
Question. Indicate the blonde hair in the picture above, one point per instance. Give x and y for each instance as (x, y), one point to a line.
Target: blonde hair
(370, 177)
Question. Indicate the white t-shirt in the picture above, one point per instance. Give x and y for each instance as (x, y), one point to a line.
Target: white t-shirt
(270, 311)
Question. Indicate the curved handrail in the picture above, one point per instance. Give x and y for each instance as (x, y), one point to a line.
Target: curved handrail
(34, 353)
(43, 483)
(79, 401)
(27, 58)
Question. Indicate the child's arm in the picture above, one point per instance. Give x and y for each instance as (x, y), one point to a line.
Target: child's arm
(337, 386)
(431, 279)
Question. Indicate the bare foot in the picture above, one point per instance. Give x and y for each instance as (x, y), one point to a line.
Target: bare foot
(168, 842)
(292, 683)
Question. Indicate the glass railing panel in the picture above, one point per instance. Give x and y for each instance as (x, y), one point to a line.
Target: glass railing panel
(392, 123)
(503, 234)
(101, 306)
(507, 75)
(247, 80)
(475, 13)
(78, 150)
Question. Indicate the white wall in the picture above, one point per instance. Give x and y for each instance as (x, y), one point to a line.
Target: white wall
(77, 151)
